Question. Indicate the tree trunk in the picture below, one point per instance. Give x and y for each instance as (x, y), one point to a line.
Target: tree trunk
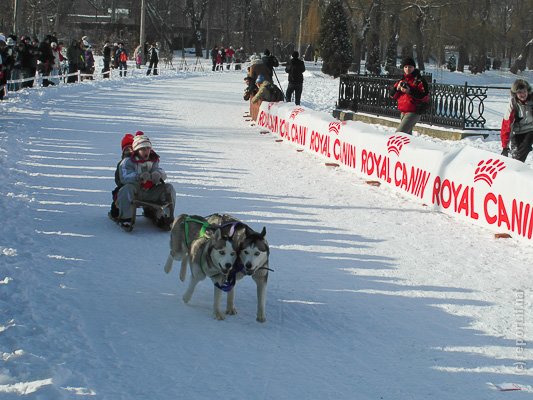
(246, 25)
(521, 61)
(357, 56)
(462, 59)
(392, 44)
(420, 23)
(373, 59)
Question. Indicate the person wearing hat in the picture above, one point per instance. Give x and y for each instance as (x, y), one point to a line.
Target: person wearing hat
(263, 92)
(270, 61)
(517, 123)
(142, 179)
(126, 145)
(412, 94)
(295, 68)
(258, 67)
(56, 52)
(251, 88)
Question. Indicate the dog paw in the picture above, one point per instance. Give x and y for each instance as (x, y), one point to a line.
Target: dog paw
(219, 316)
(186, 299)
(261, 318)
(231, 311)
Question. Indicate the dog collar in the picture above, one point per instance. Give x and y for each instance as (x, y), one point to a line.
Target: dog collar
(232, 277)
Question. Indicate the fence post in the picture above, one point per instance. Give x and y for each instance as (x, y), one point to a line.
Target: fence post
(79, 76)
(464, 105)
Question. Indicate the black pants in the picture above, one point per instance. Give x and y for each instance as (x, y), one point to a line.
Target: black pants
(123, 67)
(153, 64)
(106, 67)
(72, 68)
(297, 89)
(521, 145)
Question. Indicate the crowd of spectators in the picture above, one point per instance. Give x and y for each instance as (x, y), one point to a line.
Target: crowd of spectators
(221, 55)
(23, 58)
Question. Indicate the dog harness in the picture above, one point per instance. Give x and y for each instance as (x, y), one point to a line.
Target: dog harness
(187, 220)
(233, 227)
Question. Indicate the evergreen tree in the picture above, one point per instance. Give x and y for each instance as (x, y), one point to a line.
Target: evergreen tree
(334, 43)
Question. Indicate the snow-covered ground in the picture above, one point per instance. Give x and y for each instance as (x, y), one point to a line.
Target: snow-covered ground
(372, 296)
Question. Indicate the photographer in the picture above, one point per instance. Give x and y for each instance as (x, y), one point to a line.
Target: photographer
(295, 68)
(412, 94)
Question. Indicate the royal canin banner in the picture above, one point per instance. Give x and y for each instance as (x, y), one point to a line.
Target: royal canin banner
(468, 183)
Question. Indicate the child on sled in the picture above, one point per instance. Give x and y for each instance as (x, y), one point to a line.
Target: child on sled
(142, 179)
(126, 145)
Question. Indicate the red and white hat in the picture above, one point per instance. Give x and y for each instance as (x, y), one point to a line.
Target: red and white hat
(140, 142)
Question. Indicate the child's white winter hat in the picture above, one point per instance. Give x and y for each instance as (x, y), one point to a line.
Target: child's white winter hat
(140, 142)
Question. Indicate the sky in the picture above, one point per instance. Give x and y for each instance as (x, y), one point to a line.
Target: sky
(372, 296)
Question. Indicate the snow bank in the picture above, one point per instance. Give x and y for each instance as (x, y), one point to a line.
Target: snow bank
(467, 183)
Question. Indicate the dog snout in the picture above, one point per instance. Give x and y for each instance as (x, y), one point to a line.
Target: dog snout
(227, 266)
(248, 265)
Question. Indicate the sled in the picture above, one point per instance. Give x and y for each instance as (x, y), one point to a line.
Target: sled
(151, 210)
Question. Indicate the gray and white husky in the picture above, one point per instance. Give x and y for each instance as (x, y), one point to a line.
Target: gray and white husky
(184, 230)
(211, 256)
(253, 257)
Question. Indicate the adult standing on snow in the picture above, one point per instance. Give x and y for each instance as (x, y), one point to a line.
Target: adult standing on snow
(517, 124)
(76, 60)
(213, 54)
(295, 68)
(412, 94)
(107, 59)
(121, 58)
(270, 61)
(153, 54)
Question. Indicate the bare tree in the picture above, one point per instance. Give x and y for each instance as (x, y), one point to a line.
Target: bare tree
(195, 12)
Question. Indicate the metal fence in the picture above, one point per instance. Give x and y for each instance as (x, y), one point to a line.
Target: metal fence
(455, 106)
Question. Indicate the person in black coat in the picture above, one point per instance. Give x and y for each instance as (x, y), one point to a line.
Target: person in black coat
(295, 68)
(45, 60)
(270, 60)
(153, 53)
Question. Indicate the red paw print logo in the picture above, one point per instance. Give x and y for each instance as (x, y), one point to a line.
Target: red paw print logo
(487, 170)
(295, 112)
(334, 127)
(395, 144)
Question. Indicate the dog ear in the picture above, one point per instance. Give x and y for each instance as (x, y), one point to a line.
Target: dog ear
(263, 232)
(218, 234)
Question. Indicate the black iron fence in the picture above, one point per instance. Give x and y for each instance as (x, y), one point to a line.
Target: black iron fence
(453, 106)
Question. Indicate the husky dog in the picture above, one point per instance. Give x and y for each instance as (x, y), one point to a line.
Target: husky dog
(184, 230)
(253, 256)
(213, 256)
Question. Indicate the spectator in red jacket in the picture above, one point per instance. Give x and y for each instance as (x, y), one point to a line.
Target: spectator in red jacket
(517, 124)
(412, 94)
